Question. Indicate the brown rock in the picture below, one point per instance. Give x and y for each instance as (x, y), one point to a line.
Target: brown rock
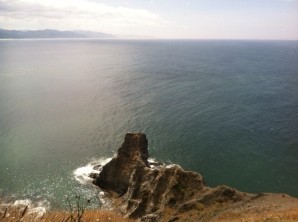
(115, 175)
(152, 190)
(169, 193)
(146, 191)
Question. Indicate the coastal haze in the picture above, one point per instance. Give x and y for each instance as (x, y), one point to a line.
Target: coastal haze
(227, 109)
(35, 34)
(166, 19)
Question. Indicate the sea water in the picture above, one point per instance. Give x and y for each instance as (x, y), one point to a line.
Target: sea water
(226, 109)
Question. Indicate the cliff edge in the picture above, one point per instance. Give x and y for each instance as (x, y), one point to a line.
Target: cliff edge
(150, 191)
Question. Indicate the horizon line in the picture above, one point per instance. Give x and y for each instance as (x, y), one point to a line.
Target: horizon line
(152, 39)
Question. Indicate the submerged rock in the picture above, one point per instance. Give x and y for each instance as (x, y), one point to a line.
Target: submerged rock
(156, 192)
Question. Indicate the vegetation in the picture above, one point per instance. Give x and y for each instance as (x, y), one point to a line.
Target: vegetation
(270, 216)
(64, 216)
(77, 212)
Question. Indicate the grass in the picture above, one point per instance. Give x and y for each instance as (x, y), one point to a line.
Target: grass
(63, 216)
(76, 213)
(290, 215)
(79, 213)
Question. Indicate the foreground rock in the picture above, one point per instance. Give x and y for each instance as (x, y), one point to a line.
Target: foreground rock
(155, 192)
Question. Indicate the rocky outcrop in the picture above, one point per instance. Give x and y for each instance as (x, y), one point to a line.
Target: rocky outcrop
(156, 192)
(115, 175)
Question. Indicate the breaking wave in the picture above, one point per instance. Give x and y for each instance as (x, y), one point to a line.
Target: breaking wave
(37, 208)
(82, 174)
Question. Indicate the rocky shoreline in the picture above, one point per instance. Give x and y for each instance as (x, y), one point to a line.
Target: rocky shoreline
(150, 192)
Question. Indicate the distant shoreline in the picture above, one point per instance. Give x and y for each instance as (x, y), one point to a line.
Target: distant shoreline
(51, 33)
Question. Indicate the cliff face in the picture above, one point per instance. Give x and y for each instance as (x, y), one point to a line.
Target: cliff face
(115, 175)
(155, 192)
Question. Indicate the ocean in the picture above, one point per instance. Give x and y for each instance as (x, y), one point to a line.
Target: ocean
(226, 109)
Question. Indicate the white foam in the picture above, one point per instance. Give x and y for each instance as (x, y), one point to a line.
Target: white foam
(82, 173)
(152, 160)
(38, 211)
(102, 197)
(172, 165)
(154, 163)
(25, 202)
(36, 208)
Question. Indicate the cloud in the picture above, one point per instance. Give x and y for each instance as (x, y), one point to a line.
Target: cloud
(75, 14)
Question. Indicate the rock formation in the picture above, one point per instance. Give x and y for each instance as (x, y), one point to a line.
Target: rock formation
(133, 154)
(156, 192)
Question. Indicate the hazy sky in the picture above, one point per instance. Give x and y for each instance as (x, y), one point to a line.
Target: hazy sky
(202, 19)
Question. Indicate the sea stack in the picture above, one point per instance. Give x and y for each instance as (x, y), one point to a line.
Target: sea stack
(115, 175)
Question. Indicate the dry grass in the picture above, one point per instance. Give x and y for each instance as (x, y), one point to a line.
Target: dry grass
(88, 216)
(290, 215)
(13, 214)
(210, 214)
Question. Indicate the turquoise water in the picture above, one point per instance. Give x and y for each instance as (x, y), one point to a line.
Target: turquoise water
(227, 109)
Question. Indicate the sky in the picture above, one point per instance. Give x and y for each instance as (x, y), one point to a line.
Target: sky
(169, 19)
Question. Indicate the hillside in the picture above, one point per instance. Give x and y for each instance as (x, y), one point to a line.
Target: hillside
(49, 33)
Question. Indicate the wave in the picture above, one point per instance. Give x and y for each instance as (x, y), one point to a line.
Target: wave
(82, 174)
(85, 174)
(38, 208)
